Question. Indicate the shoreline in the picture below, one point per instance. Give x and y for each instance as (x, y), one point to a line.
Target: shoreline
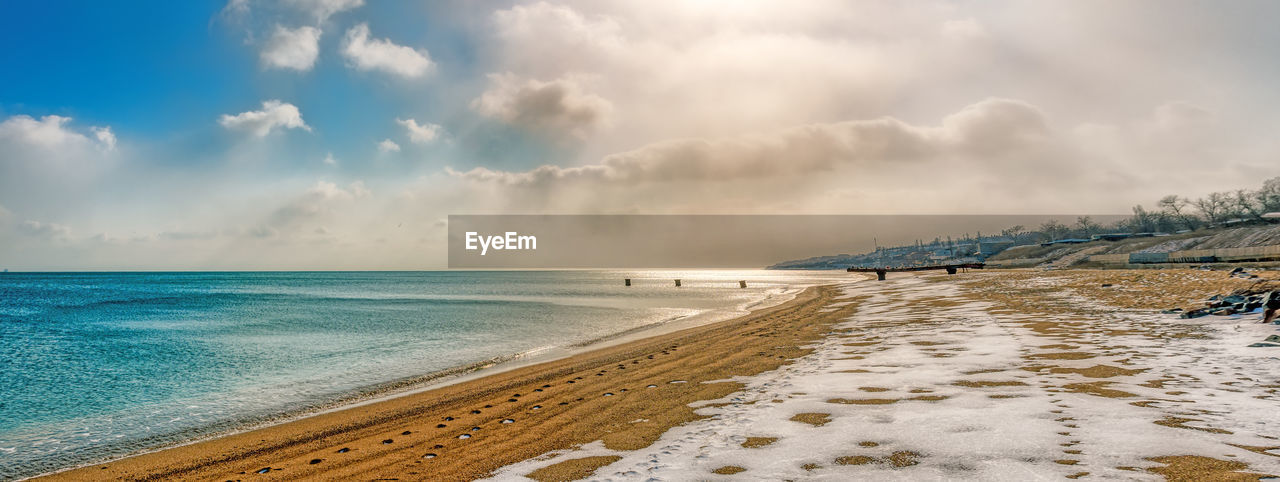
(468, 374)
(405, 386)
(991, 375)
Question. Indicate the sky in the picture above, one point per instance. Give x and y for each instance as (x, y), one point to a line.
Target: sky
(340, 134)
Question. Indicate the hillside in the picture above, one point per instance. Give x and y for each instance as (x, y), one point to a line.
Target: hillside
(1218, 238)
(1063, 255)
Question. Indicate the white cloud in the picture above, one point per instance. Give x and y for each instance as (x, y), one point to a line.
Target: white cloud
(368, 54)
(358, 190)
(967, 28)
(420, 133)
(236, 8)
(329, 160)
(680, 69)
(995, 127)
(559, 107)
(50, 231)
(105, 137)
(387, 145)
(274, 114)
(1181, 115)
(295, 49)
(317, 202)
(783, 107)
(560, 30)
(1001, 138)
(323, 9)
(50, 132)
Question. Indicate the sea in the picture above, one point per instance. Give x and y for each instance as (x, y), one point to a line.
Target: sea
(95, 366)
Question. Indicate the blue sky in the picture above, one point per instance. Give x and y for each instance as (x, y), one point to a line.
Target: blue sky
(291, 134)
(161, 73)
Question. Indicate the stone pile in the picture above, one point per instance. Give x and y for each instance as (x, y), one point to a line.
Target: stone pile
(1244, 300)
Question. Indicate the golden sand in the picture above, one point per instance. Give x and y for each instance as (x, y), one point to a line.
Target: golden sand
(903, 459)
(985, 370)
(864, 401)
(989, 383)
(1135, 289)
(1097, 388)
(757, 442)
(550, 406)
(728, 470)
(1191, 468)
(1098, 371)
(815, 419)
(1179, 422)
(855, 460)
(574, 469)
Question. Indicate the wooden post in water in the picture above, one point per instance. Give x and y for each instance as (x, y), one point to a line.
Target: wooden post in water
(627, 281)
(677, 282)
(951, 270)
(742, 284)
(880, 274)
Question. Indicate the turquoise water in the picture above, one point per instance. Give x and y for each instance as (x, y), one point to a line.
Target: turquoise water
(98, 365)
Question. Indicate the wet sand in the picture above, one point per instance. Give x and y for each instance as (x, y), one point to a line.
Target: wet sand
(626, 396)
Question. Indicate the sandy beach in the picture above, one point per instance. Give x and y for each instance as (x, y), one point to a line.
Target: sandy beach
(468, 430)
(1000, 375)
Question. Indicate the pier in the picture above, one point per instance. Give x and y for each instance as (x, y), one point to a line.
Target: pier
(881, 271)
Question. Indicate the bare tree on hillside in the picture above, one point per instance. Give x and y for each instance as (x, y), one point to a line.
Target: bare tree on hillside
(1269, 195)
(1144, 221)
(1175, 207)
(1213, 207)
(1054, 230)
(1014, 231)
(1087, 227)
(1245, 204)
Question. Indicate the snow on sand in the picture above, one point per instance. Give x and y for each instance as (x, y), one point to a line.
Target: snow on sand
(926, 381)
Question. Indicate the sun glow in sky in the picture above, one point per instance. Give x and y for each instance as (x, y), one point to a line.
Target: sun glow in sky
(339, 134)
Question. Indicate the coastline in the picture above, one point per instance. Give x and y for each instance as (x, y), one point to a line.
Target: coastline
(408, 382)
(467, 377)
(989, 375)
